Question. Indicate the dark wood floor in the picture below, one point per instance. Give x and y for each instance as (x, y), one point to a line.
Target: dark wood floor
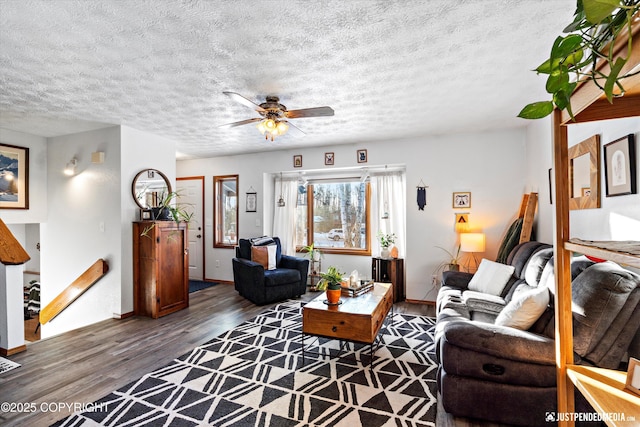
(85, 364)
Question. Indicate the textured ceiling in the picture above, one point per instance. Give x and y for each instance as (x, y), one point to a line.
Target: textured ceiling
(389, 69)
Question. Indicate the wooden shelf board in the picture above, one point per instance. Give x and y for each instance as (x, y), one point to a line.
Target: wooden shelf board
(604, 390)
(608, 254)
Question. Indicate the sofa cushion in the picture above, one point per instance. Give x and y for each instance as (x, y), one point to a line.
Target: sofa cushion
(491, 277)
(265, 255)
(534, 268)
(599, 293)
(525, 308)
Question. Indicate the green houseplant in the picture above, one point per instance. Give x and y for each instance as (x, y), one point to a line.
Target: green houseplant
(314, 256)
(169, 210)
(386, 240)
(453, 263)
(587, 53)
(330, 281)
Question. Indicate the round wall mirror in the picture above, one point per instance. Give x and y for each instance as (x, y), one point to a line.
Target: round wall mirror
(149, 187)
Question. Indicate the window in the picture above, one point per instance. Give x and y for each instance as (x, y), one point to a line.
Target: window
(225, 211)
(334, 216)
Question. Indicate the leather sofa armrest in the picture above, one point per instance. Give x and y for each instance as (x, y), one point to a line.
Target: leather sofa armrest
(456, 279)
(500, 341)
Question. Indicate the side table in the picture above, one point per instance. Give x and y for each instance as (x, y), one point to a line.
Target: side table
(390, 270)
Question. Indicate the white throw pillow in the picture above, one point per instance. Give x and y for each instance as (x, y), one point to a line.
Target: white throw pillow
(491, 277)
(524, 309)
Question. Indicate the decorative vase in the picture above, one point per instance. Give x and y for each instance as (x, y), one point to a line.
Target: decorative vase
(394, 252)
(454, 267)
(384, 253)
(333, 296)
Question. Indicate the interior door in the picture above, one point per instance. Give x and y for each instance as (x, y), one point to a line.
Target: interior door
(191, 196)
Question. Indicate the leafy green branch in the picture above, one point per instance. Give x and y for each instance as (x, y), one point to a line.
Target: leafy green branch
(576, 57)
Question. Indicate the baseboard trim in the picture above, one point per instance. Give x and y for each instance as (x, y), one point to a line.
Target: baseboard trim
(224, 282)
(11, 351)
(123, 315)
(420, 301)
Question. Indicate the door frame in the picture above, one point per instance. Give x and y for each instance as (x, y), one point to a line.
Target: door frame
(200, 178)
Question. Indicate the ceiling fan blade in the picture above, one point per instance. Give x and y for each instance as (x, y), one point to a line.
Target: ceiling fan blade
(296, 129)
(309, 112)
(240, 123)
(244, 101)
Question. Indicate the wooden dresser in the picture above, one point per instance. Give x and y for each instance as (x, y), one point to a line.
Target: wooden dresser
(160, 268)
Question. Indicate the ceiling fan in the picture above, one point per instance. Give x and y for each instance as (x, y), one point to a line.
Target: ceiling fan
(274, 115)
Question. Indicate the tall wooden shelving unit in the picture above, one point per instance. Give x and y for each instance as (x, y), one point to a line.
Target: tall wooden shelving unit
(603, 388)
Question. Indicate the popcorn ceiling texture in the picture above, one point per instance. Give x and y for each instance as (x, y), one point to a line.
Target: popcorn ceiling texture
(389, 69)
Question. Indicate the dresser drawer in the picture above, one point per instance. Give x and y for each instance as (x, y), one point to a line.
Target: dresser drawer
(338, 325)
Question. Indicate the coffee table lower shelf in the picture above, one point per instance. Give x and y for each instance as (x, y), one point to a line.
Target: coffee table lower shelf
(357, 320)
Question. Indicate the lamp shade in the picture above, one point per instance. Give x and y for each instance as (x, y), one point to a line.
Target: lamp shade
(472, 242)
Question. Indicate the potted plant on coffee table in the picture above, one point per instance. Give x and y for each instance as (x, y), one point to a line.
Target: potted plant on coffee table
(331, 283)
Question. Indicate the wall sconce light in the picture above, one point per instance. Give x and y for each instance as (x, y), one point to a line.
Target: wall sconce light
(97, 157)
(70, 169)
(472, 242)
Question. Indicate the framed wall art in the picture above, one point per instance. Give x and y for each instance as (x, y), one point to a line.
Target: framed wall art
(329, 159)
(633, 376)
(297, 161)
(14, 177)
(620, 166)
(462, 199)
(252, 202)
(362, 156)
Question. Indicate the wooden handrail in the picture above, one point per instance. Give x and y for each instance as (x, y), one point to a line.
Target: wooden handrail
(11, 251)
(74, 290)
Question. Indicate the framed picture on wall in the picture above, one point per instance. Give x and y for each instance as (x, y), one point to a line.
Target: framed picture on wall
(252, 202)
(620, 166)
(297, 161)
(14, 177)
(362, 156)
(633, 376)
(328, 159)
(462, 199)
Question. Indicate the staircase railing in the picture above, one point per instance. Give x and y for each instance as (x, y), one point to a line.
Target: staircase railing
(74, 290)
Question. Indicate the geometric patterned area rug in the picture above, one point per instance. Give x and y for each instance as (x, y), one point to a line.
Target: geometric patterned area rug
(7, 365)
(253, 376)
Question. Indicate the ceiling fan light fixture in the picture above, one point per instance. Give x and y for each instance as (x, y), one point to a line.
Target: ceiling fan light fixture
(282, 128)
(270, 124)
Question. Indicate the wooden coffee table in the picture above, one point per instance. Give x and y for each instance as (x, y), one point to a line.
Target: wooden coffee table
(356, 319)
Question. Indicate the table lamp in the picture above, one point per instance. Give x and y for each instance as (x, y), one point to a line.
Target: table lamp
(472, 242)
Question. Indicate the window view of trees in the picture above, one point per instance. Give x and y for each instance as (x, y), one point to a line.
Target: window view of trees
(335, 214)
(226, 210)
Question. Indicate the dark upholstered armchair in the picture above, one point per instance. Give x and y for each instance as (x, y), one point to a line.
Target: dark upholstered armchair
(262, 286)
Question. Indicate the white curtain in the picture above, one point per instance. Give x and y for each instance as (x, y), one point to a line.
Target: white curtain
(388, 194)
(284, 218)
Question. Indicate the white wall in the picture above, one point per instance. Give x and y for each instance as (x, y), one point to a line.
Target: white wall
(37, 145)
(140, 150)
(618, 218)
(490, 165)
(82, 226)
